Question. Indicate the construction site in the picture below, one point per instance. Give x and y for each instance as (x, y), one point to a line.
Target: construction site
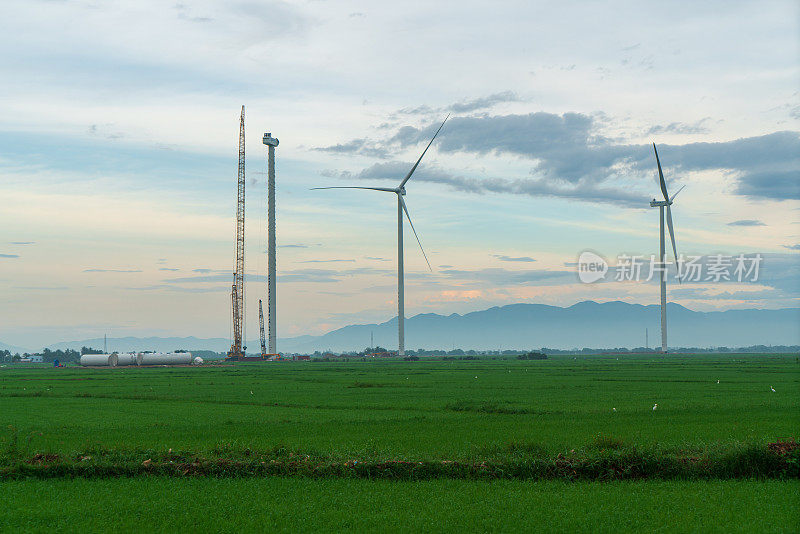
(268, 337)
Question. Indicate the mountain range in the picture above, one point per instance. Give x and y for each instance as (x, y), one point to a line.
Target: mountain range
(521, 326)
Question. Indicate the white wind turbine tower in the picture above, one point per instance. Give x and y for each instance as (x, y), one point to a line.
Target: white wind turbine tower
(661, 204)
(400, 191)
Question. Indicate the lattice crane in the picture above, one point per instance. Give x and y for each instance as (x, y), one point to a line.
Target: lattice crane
(237, 351)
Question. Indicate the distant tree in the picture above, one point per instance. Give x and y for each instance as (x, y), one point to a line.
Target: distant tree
(16, 358)
(532, 356)
(89, 350)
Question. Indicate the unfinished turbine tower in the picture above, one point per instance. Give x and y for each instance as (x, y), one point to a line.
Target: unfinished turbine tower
(271, 143)
(237, 350)
(661, 204)
(400, 191)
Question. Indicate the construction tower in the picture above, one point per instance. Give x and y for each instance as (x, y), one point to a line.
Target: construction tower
(237, 351)
(271, 143)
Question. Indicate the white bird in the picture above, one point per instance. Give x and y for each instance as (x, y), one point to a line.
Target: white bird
(772, 388)
(655, 406)
(717, 381)
(613, 409)
(251, 392)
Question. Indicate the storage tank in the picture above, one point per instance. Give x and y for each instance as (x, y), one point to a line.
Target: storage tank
(99, 360)
(197, 361)
(129, 358)
(166, 358)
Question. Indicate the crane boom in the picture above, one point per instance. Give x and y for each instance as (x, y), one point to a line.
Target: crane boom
(261, 331)
(237, 291)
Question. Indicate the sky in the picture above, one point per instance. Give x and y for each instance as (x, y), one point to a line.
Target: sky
(119, 134)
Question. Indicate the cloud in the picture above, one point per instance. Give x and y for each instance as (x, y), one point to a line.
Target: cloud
(9, 255)
(509, 258)
(300, 245)
(680, 128)
(505, 277)
(519, 186)
(43, 288)
(23, 242)
(773, 185)
(746, 222)
(363, 147)
(374, 258)
(180, 289)
(112, 270)
(325, 261)
(292, 275)
(167, 269)
(571, 159)
(792, 247)
(484, 102)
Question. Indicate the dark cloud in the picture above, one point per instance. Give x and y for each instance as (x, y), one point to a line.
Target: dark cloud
(510, 258)
(773, 185)
(167, 269)
(792, 247)
(9, 255)
(23, 242)
(374, 258)
(521, 186)
(746, 222)
(112, 270)
(571, 159)
(299, 245)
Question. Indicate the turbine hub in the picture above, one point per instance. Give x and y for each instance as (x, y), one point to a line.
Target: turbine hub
(402, 191)
(269, 140)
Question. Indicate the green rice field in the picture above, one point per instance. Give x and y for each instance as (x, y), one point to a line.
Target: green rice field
(494, 444)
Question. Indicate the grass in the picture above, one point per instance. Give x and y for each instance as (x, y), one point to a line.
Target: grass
(304, 505)
(503, 444)
(425, 410)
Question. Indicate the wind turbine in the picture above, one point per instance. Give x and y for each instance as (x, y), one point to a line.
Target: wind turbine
(661, 204)
(400, 191)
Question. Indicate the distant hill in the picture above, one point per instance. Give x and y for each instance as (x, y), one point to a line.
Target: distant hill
(13, 348)
(524, 326)
(585, 324)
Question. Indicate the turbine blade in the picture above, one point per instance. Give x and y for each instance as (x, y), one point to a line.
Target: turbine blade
(405, 209)
(672, 238)
(676, 194)
(414, 168)
(388, 189)
(661, 175)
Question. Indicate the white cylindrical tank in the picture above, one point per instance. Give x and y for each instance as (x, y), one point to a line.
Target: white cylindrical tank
(197, 361)
(99, 360)
(166, 358)
(129, 358)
